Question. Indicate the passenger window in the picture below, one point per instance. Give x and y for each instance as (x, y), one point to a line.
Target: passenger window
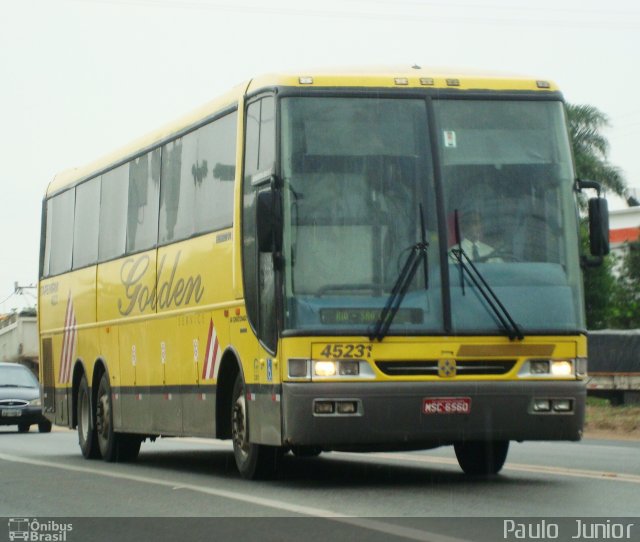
(198, 170)
(113, 213)
(85, 235)
(142, 208)
(59, 238)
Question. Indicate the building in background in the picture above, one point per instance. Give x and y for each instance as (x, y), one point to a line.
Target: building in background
(624, 228)
(19, 338)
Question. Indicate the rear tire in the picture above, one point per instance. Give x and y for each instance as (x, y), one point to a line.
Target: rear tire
(114, 447)
(44, 426)
(87, 437)
(254, 461)
(481, 458)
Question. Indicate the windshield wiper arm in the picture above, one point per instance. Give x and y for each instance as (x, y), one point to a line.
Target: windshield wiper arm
(418, 253)
(467, 266)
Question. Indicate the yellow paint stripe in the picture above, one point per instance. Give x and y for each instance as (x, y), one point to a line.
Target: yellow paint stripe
(517, 467)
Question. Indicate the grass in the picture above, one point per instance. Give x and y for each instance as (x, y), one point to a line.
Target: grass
(621, 420)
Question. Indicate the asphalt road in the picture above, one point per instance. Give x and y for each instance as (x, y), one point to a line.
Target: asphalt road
(337, 496)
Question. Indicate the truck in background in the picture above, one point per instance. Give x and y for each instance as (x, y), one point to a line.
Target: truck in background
(614, 365)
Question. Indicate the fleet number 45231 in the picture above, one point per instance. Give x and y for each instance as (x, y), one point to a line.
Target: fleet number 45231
(347, 351)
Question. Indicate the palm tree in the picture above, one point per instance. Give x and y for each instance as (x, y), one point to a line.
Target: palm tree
(590, 148)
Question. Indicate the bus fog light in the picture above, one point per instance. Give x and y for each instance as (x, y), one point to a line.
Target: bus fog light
(324, 407)
(324, 368)
(562, 368)
(298, 368)
(562, 405)
(349, 368)
(541, 405)
(347, 407)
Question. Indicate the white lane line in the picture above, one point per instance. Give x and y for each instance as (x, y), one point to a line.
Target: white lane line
(374, 525)
(517, 467)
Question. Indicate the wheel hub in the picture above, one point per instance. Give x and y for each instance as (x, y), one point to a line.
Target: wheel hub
(239, 427)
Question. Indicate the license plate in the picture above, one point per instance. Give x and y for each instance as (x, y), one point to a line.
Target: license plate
(7, 413)
(446, 405)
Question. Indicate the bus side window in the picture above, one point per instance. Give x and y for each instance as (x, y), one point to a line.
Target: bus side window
(59, 236)
(144, 190)
(114, 196)
(85, 235)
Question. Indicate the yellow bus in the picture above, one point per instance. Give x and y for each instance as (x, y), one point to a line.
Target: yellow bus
(376, 260)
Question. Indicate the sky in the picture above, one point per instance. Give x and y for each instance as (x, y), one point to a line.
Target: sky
(80, 78)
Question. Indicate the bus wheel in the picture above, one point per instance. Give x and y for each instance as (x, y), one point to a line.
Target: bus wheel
(87, 437)
(481, 458)
(113, 446)
(254, 461)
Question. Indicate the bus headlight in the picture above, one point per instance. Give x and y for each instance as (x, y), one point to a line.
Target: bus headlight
(306, 369)
(562, 368)
(539, 366)
(548, 368)
(325, 368)
(298, 368)
(341, 367)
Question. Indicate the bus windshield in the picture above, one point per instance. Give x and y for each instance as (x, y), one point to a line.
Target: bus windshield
(356, 171)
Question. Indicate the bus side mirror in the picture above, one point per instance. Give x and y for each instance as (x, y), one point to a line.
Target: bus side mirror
(599, 227)
(265, 220)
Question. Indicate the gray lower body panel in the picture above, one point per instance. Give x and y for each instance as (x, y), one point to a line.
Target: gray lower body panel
(175, 411)
(391, 415)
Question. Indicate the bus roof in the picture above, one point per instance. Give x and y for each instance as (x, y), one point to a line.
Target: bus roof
(394, 77)
(382, 77)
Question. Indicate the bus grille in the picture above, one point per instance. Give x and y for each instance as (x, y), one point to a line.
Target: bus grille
(430, 367)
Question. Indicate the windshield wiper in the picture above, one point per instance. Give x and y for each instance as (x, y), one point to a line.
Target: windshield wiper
(418, 253)
(467, 266)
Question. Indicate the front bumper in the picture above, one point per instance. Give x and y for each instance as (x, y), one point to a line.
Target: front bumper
(390, 415)
(23, 415)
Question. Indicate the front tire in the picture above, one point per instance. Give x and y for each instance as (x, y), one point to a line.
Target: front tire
(254, 461)
(23, 427)
(481, 458)
(87, 437)
(114, 447)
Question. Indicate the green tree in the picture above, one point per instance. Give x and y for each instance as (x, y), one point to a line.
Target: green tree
(590, 148)
(603, 298)
(626, 302)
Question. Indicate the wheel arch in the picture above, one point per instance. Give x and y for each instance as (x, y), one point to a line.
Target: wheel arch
(79, 370)
(230, 367)
(99, 368)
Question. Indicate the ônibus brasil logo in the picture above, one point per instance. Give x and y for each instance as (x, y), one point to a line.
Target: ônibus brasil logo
(34, 530)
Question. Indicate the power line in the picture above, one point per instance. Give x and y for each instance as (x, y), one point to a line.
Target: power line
(7, 298)
(576, 20)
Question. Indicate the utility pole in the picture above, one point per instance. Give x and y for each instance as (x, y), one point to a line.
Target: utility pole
(20, 289)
